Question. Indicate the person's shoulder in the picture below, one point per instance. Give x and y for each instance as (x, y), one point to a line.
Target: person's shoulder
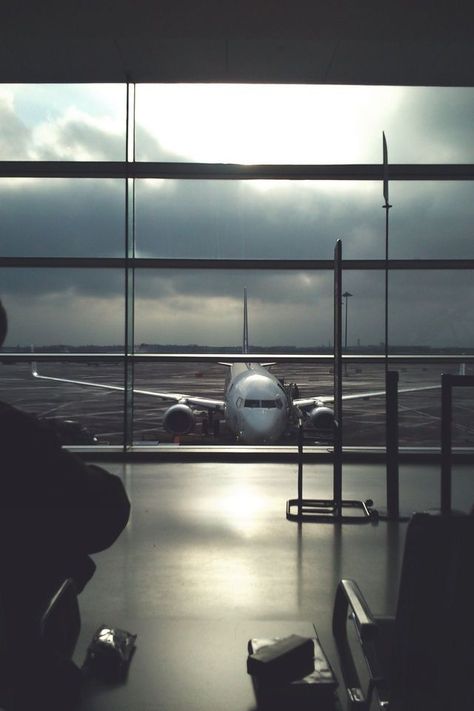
(17, 423)
(9, 413)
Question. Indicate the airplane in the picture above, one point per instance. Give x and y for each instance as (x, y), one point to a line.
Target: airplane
(257, 408)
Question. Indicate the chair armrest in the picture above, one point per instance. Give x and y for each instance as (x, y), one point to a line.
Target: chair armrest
(60, 623)
(348, 595)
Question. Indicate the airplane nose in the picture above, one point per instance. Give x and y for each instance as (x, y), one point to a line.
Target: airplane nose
(262, 427)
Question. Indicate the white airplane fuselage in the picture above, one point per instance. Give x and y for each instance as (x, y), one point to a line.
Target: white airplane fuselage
(257, 408)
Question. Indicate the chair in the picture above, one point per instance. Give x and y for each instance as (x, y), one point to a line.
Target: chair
(37, 644)
(422, 659)
(60, 623)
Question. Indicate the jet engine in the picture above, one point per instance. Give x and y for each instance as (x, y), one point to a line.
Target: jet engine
(179, 419)
(322, 418)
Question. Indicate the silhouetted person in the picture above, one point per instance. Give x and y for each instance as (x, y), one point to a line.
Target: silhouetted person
(55, 511)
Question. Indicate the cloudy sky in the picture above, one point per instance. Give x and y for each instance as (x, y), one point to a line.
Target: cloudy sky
(236, 219)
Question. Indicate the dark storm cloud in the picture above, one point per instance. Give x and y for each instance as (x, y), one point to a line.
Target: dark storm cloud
(271, 287)
(432, 220)
(27, 282)
(432, 307)
(243, 219)
(62, 218)
(433, 125)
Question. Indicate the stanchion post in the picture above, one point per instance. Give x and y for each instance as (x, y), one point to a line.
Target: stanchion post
(391, 389)
(337, 483)
(300, 467)
(446, 417)
(331, 510)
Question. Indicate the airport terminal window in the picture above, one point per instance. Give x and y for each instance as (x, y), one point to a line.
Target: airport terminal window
(268, 124)
(62, 217)
(429, 311)
(195, 309)
(257, 219)
(62, 122)
(84, 416)
(85, 246)
(431, 220)
(64, 310)
(363, 328)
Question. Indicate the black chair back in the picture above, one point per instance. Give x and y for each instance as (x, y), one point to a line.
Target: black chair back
(433, 654)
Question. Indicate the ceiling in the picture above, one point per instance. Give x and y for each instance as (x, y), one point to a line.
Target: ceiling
(415, 42)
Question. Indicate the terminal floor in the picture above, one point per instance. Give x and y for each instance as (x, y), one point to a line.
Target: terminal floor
(209, 542)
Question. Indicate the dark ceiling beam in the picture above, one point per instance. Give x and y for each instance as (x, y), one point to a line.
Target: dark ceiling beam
(285, 41)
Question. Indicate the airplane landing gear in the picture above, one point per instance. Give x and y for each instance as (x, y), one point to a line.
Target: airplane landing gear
(213, 424)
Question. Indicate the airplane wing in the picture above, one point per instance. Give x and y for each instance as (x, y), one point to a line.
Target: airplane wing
(305, 402)
(193, 400)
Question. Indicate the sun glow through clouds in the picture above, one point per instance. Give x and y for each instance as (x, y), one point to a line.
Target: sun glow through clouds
(264, 124)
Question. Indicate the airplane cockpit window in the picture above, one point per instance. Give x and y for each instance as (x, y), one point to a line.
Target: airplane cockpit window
(263, 403)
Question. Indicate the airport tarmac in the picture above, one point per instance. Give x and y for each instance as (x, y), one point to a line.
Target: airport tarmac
(101, 411)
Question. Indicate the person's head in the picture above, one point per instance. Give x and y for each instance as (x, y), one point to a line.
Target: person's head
(3, 324)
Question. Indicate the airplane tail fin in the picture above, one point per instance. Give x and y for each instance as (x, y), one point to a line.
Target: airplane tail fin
(245, 340)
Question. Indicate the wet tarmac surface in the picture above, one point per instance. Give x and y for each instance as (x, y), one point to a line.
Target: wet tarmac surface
(101, 411)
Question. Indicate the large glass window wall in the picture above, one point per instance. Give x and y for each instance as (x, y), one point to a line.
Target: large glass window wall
(133, 219)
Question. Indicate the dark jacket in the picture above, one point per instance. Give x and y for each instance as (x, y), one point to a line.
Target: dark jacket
(55, 510)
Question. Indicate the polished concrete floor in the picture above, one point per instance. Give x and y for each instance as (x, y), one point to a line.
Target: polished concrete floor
(209, 544)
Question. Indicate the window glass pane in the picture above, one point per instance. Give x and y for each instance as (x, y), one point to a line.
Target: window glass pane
(64, 309)
(363, 311)
(79, 415)
(431, 220)
(431, 311)
(62, 218)
(199, 309)
(419, 412)
(259, 219)
(191, 378)
(231, 123)
(73, 122)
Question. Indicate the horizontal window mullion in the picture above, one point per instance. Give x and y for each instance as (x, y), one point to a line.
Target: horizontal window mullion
(165, 357)
(216, 171)
(244, 264)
